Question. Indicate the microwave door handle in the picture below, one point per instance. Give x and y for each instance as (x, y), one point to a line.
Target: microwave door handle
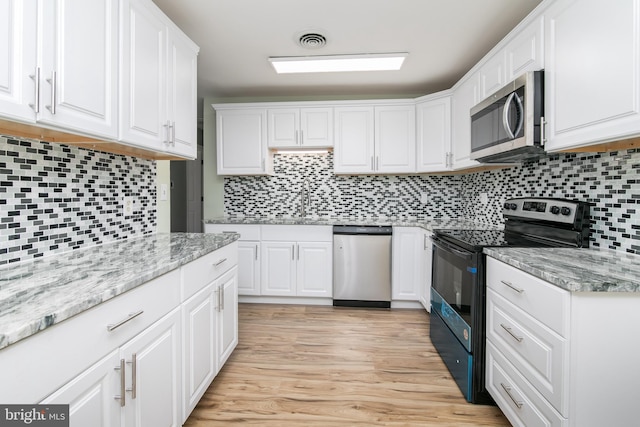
(505, 116)
(520, 115)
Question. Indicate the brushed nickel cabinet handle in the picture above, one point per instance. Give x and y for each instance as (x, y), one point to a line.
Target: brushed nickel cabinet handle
(134, 369)
(219, 262)
(122, 396)
(131, 316)
(507, 390)
(222, 297)
(52, 81)
(36, 78)
(510, 332)
(510, 285)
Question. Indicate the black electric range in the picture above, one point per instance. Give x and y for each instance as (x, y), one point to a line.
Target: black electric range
(458, 289)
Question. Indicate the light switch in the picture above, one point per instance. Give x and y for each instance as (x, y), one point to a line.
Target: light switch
(163, 192)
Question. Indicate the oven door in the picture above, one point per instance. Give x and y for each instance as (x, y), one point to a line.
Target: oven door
(454, 288)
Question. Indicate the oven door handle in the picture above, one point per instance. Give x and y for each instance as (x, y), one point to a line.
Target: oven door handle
(448, 248)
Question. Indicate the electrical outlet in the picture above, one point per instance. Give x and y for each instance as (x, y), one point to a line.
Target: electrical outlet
(484, 198)
(128, 205)
(424, 197)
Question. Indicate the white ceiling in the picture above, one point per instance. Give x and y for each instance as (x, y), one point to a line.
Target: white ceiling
(444, 38)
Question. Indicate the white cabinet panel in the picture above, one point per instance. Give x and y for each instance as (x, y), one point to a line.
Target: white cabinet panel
(314, 269)
(433, 133)
(395, 139)
(284, 127)
(354, 150)
(155, 361)
(464, 97)
(227, 289)
(526, 51)
(199, 322)
(407, 265)
(592, 69)
(248, 268)
(492, 75)
(300, 127)
(18, 59)
(241, 140)
(90, 395)
(278, 268)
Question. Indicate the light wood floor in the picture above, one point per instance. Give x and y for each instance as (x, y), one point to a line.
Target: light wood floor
(325, 366)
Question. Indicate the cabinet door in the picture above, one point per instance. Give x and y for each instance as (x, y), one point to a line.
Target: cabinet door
(284, 127)
(182, 101)
(492, 75)
(407, 264)
(143, 78)
(316, 127)
(526, 51)
(156, 382)
(90, 395)
(433, 134)
(395, 139)
(353, 152)
(227, 287)
(592, 70)
(314, 269)
(427, 265)
(278, 268)
(79, 65)
(464, 97)
(241, 142)
(17, 59)
(248, 268)
(199, 323)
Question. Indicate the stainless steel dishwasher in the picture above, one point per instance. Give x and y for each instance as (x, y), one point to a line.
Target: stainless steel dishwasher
(362, 266)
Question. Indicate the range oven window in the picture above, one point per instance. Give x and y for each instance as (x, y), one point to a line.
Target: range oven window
(455, 277)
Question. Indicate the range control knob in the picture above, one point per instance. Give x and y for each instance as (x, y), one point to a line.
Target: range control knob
(555, 210)
(513, 206)
(507, 206)
(565, 210)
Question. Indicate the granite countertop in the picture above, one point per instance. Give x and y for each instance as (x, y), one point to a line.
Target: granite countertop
(428, 224)
(576, 270)
(37, 294)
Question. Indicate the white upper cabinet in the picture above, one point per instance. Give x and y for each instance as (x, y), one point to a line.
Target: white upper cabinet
(375, 139)
(60, 64)
(492, 75)
(18, 59)
(354, 151)
(158, 101)
(300, 127)
(433, 134)
(525, 52)
(592, 72)
(241, 141)
(79, 65)
(464, 97)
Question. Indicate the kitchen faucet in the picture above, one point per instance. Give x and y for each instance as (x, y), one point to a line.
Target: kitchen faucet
(305, 197)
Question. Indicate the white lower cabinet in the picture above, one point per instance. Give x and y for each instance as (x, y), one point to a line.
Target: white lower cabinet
(411, 265)
(558, 358)
(227, 308)
(137, 385)
(297, 261)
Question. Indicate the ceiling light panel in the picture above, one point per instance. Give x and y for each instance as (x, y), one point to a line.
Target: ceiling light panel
(338, 63)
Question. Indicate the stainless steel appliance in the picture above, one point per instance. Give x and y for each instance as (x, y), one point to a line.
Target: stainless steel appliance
(458, 278)
(362, 266)
(508, 125)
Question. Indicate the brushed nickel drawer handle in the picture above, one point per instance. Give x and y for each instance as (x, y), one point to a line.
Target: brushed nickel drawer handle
(507, 390)
(122, 397)
(510, 332)
(510, 285)
(131, 316)
(219, 262)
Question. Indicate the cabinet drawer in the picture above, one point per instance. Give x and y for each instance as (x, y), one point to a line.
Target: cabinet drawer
(76, 343)
(542, 300)
(519, 401)
(204, 270)
(297, 233)
(246, 231)
(538, 353)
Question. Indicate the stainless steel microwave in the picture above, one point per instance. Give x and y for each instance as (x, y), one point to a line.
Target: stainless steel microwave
(508, 125)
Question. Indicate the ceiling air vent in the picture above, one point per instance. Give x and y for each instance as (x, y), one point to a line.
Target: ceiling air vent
(312, 40)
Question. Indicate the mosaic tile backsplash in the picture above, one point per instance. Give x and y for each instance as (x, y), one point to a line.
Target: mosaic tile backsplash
(55, 198)
(610, 181)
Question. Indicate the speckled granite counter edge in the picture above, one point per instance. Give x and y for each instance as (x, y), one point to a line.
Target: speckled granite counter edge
(15, 329)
